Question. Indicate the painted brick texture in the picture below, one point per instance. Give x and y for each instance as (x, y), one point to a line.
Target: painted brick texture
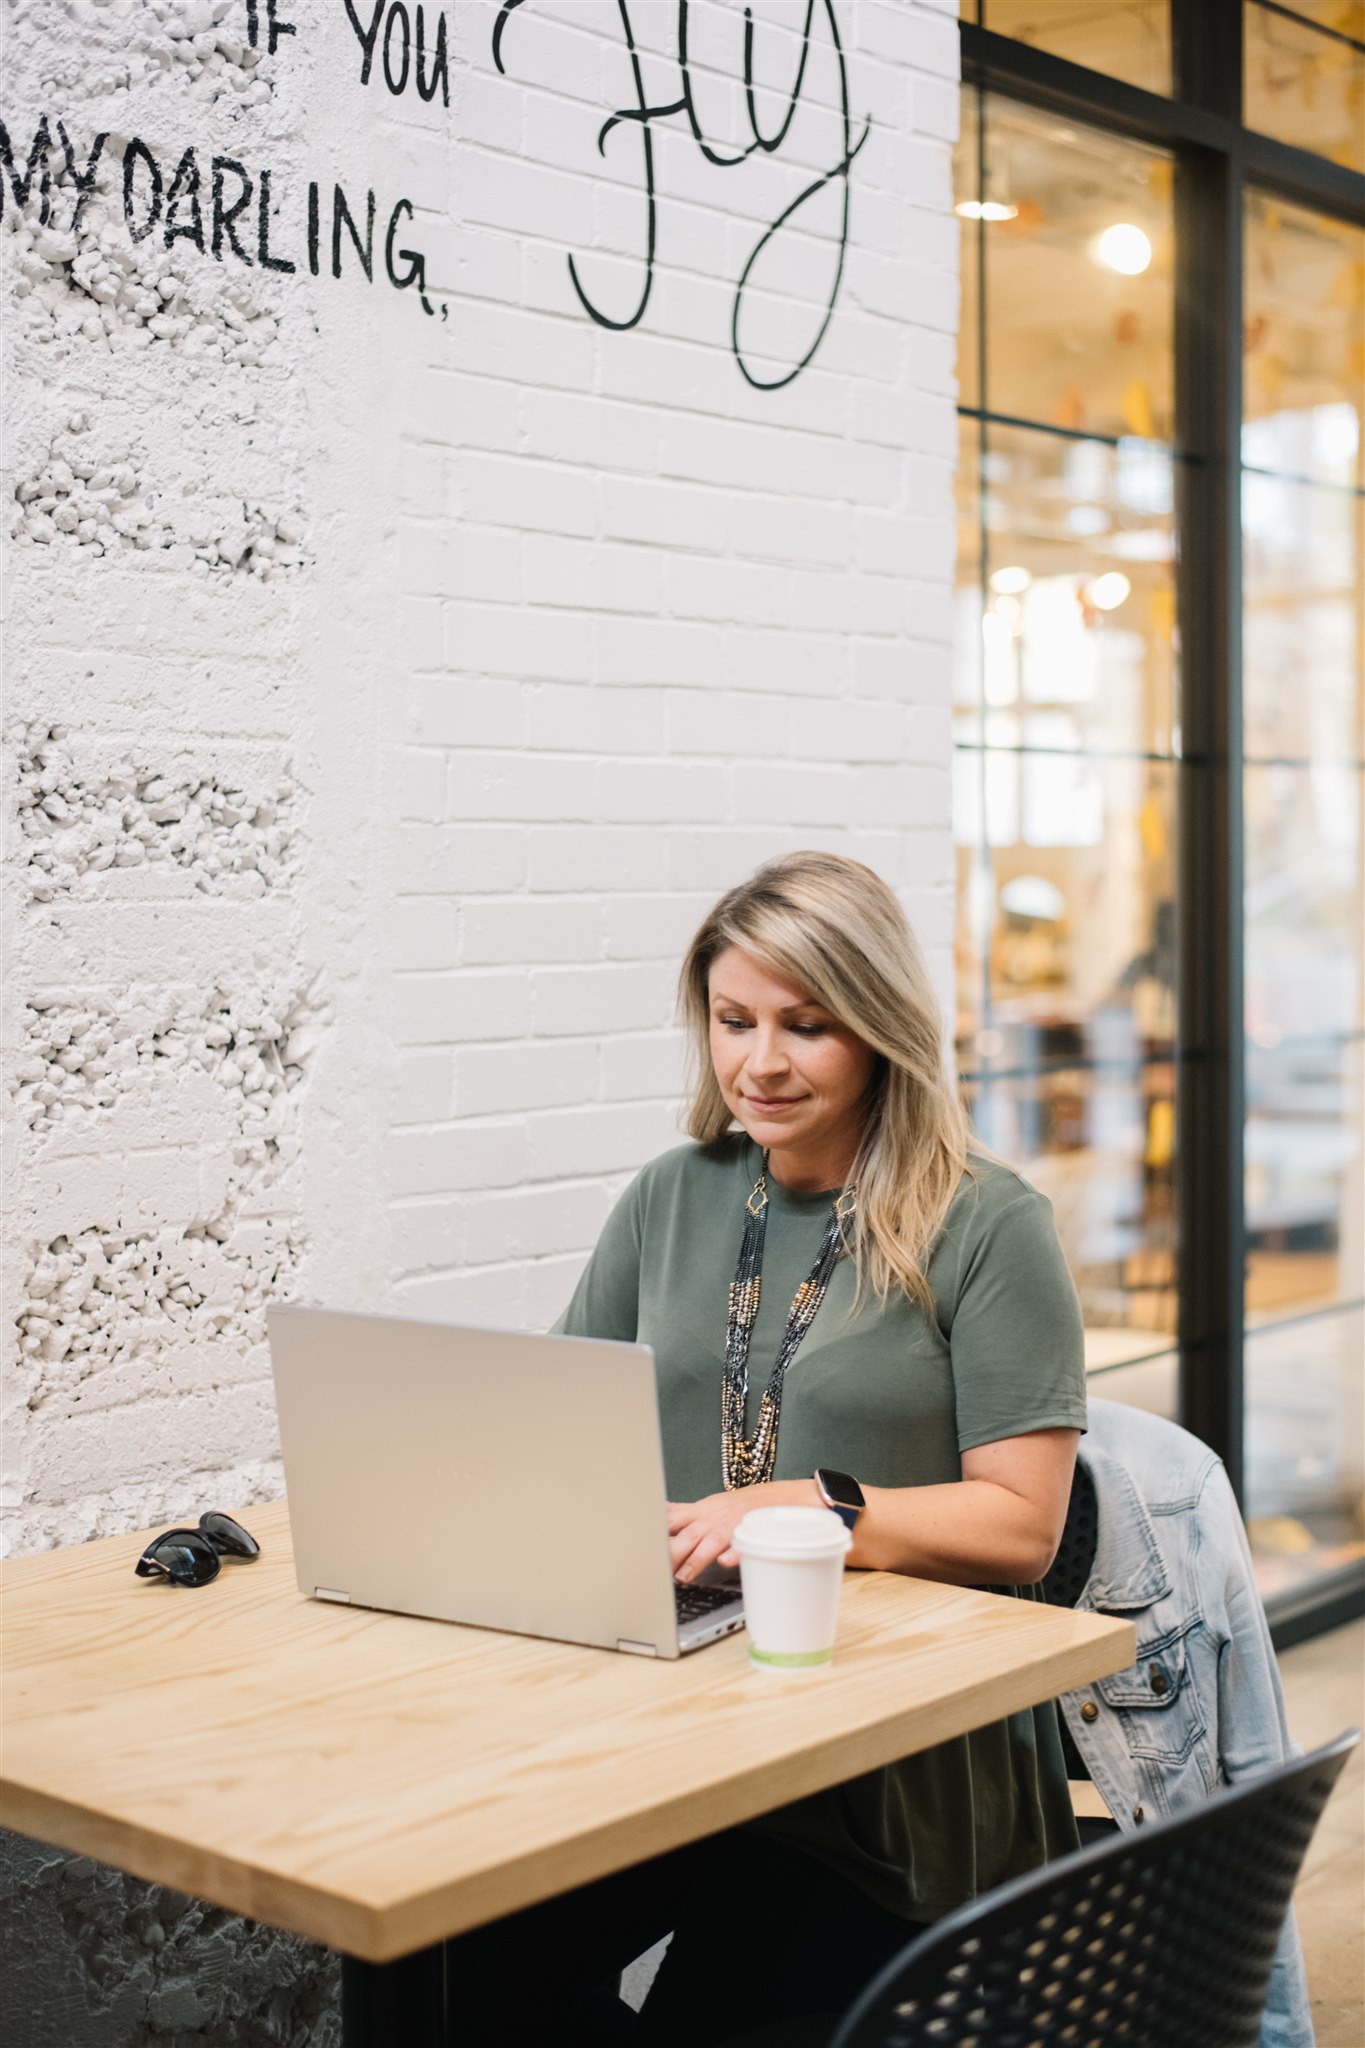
(661, 624)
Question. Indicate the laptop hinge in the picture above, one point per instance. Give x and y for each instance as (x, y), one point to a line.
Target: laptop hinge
(636, 1649)
(331, 1593)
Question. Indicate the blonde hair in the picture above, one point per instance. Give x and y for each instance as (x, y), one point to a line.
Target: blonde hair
(833, 926)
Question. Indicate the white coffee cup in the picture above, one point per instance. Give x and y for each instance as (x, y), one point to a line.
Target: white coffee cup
(791, 1566)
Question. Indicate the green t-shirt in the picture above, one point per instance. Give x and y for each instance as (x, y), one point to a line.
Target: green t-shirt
(894, 1396)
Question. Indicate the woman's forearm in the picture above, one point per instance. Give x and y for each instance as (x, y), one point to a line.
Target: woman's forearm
(971, 1532)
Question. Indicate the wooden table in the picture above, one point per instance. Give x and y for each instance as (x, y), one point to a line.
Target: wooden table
(380, 1783)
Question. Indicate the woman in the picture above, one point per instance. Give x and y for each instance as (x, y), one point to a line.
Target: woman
(914, 1329)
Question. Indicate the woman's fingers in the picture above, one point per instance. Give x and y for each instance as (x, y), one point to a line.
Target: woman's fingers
(694, 1549)
(700, 1534)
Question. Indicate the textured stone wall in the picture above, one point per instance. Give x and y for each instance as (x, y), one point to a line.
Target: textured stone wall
(173, 953)
(445, 543)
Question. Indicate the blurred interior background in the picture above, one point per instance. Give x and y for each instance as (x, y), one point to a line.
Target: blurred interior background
(1160, 753)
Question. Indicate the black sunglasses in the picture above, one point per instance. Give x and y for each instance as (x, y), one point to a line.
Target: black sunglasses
(191, 1557)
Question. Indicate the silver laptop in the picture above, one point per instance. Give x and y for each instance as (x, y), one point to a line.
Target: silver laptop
(508, 1481)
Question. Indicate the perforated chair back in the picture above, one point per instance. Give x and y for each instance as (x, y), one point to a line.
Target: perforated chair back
(1159, 1939)
(1075, 1559)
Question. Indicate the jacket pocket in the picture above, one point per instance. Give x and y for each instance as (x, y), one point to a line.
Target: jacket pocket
(1157, 1699)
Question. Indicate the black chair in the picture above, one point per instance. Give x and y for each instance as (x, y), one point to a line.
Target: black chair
(1075, 1559)
(1065, 1582)
(1162, 1938)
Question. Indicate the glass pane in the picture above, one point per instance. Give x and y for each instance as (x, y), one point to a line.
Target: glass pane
(1347, 17)
(1101, 1146)
(1304, 911)
(1128, 39)
(1305, 343)
(1305, 1180)
(973, 892)
(1305, 1389)
(1305, 621)
(1078, 906)
(1304, 85)
(1078, 277)
(1078, 636)
(967, 196)
(967, 610)
(1150, 1383)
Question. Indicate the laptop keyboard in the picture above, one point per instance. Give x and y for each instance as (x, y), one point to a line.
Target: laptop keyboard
(692, 1602)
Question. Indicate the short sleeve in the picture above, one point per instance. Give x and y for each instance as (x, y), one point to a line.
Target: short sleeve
(1016, 1340)
(606, 1301)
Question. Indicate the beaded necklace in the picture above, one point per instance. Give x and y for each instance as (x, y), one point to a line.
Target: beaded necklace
(748, 1461)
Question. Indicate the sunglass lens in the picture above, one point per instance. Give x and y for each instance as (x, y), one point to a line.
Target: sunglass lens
(226, 1535)
(185, 1556)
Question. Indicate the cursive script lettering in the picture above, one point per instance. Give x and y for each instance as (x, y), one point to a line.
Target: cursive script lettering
(642, 115)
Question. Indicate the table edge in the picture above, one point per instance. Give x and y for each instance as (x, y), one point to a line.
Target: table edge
(382, 1932)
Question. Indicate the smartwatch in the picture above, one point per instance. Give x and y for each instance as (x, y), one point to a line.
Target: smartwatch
(841, 1492)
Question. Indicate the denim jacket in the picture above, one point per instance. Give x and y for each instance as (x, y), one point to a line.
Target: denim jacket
(1202, 1706)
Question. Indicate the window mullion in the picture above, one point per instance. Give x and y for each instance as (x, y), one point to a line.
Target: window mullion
(1211, 1090)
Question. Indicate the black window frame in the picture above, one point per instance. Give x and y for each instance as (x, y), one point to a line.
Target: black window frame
(1216, 159)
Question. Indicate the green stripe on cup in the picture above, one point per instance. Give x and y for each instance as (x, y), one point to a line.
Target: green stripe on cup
(791, 1660)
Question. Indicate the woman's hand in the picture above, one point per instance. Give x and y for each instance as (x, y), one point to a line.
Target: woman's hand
(701, 1531)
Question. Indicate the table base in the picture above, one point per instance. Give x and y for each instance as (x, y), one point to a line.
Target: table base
(394, 2005)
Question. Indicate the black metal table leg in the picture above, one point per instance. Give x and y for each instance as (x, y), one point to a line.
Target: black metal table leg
(394, 2005)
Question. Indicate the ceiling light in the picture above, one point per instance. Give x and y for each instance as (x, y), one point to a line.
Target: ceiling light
(985, 209)
(1108, 592)
(1124, 248)
(1142, 544)
(1010, 582)
(1033, 896)
(1087, 520)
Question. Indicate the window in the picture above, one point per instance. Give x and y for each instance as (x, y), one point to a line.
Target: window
(1065, 702)
(1159, 708)
(1124, 38)
(1305, 76)
(1303, 543)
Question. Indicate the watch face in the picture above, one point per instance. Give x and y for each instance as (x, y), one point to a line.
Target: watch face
(841, 1488)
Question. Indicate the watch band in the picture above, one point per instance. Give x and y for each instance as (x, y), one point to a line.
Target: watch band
(840, 1492)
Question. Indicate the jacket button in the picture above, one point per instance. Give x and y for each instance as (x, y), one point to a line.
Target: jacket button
(1089, 1711)
(1161, 1684)
(1138, 1816)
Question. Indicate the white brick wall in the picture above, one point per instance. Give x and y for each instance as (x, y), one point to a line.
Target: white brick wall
(663, 625)
(583, 626)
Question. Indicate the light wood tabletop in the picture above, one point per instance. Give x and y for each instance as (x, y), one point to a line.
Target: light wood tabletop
(379, 1782)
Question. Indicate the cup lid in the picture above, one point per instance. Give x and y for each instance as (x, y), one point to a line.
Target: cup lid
(791, 1532)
